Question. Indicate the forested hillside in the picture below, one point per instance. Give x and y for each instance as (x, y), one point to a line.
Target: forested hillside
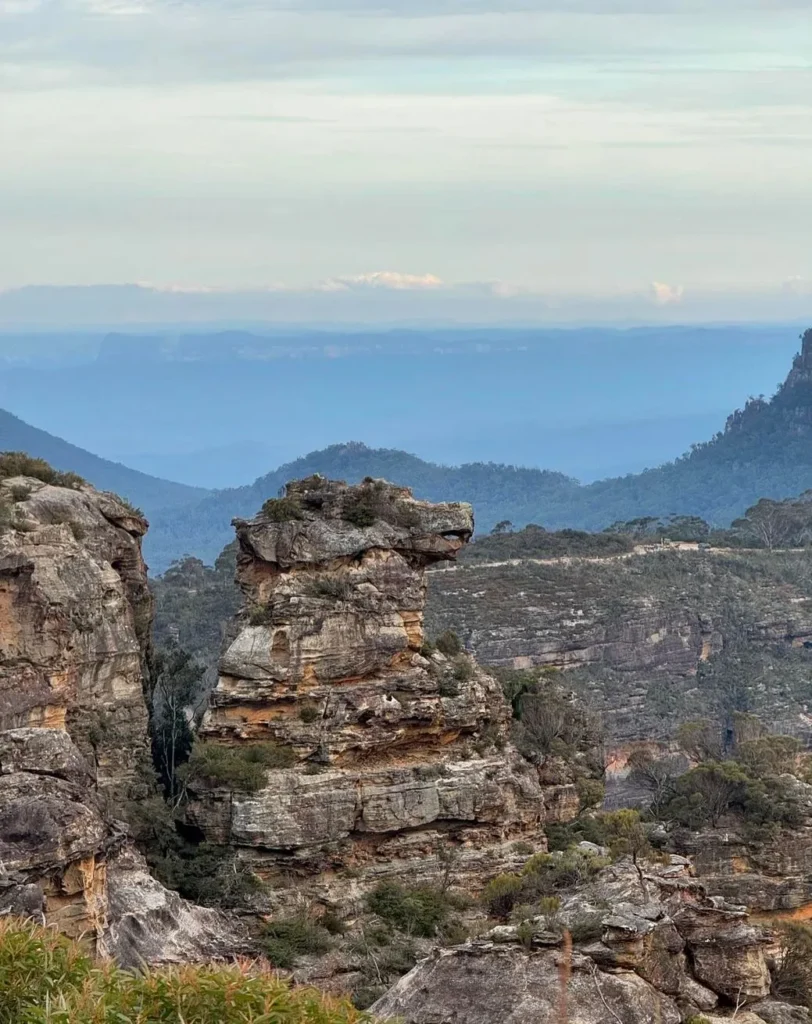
(764, 451)
(148, 492)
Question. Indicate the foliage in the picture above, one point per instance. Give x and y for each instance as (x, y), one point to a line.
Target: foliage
(418, 910)
(242, 768)
(543, 876)
(207, 874)
(21, 464)
(449, 644)
(792, 976)
(282, 510)
(176, 696)
(309, 713)
(536, 542)
(591, 792)
(372, 500)
(284, 941)
(194, 603)
(46, 979)
(705, 795)
(502, 894)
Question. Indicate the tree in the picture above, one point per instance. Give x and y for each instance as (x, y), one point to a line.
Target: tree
(773, 524)
(176, 700)
(504, 526)
(655, 775)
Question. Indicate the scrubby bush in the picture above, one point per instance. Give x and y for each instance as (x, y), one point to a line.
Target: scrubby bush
(260, 615)
(792, 977)
(21, 464)
(418, 910)
(240, 768)
(282, 510)
(284, 941)
(309, 713)
(46, 979)
(502, 894)
(449, 644)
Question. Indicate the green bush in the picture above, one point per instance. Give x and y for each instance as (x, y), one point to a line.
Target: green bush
(260, 615)
(207, 874)
(416, 911)
(463, 669)
(591, 792)
(237, 768)
(21, 464)
(449, 644)
(309, 713)
(282, 510)
(284, 941)
(46, 979)
(502, 894)
(792, 977)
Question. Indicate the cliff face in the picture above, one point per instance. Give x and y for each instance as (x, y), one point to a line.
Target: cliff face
(649, 640)
(75, 616)
(75, 620)
(402, 759)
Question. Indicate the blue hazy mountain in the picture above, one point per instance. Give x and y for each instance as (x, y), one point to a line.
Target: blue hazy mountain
(142, 490)
(217, 409)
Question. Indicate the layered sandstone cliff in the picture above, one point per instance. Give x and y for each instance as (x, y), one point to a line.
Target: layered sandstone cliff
(402, 760)
(75, 619)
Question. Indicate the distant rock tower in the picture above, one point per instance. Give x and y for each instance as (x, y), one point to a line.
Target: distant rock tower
(403, 765)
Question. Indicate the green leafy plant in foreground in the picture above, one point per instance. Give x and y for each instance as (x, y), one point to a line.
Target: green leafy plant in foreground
(47, 979)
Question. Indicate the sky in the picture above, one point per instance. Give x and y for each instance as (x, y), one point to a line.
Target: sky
(575, 150)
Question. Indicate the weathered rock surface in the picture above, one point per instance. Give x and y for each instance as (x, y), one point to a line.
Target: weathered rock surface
(150, 924)
(75, 615)
(400, 751)
(656, 949)
(64, 863)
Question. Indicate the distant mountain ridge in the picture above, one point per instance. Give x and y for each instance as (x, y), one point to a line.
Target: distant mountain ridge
(765, 450)
(147, 492)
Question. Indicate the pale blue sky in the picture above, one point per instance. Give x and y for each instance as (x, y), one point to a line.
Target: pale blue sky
(554, 147)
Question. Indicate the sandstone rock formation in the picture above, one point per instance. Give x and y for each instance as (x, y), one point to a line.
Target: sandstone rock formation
(403, 761)
(656, 948)
(75, 619)
(64, 863)
(75, 616)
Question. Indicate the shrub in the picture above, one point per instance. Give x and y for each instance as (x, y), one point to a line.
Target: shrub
(416, 911)
(309, 713)
(586, 927)
(260, 615)
(284, 941)
(591, 792)
(502, 894)
(46, 979)
(207, 874)
(282, 510)
(19, 492)
(449, 644)
(21, 464)
(463, 669)
(792, 977)
(237, 768)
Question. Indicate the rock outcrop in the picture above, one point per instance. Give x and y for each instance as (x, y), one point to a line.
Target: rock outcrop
(63, 862)
(402, 755)
(75, 620)
(75, 617)
(631, 947)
